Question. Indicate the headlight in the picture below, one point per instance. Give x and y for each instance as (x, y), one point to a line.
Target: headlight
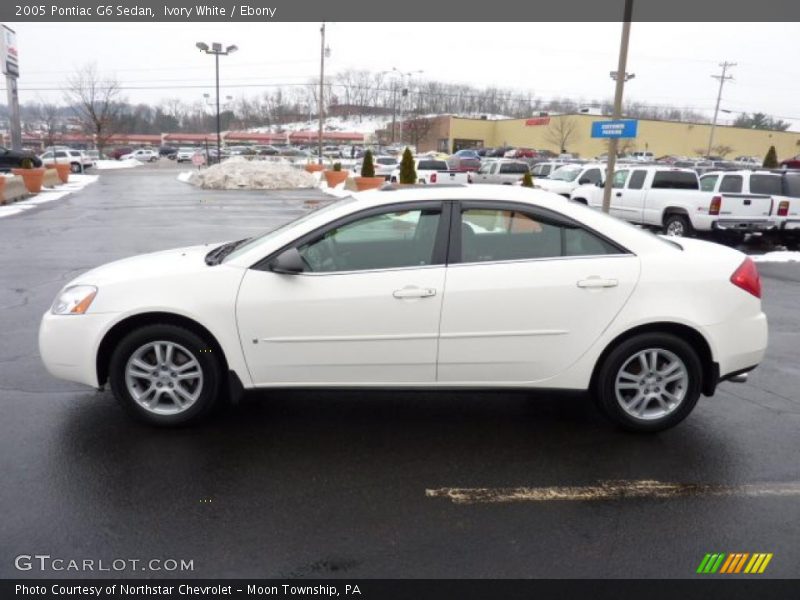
(74, 300)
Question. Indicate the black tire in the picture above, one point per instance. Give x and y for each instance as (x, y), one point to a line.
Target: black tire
(605, 393)
(75, 167)
(201, 350)
(678, 225)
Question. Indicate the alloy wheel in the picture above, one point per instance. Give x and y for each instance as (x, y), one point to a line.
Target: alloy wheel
(164, 378)
(651, 384)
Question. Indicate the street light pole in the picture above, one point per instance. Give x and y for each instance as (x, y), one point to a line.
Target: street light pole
(620, 78)
(321, 90)
(217, 51)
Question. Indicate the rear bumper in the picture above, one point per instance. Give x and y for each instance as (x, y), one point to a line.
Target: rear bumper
(738, 346)
(744, 225)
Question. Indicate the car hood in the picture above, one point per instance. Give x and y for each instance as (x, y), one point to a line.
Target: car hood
(148, 266)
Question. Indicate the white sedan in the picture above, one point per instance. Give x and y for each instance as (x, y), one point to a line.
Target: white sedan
(489, 287)
(142, 154)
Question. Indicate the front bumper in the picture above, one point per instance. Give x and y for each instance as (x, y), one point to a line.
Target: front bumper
(68, 345)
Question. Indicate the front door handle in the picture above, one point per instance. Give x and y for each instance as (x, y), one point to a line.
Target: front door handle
(597, 282)
(413, 292)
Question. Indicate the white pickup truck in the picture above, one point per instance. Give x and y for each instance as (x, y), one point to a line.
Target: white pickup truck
(433, 171)
(564, 180)
(670, 198)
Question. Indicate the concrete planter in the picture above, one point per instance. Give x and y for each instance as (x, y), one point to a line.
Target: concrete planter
(334, 178)
(33, 178)
(63, 170)
(369, 183)
(51, 178)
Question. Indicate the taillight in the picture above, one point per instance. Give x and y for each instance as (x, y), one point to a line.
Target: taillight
(433, 177)
(746, 277)
(715, 206)
(783, 208)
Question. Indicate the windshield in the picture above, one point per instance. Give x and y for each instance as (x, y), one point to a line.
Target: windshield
(565, 174)
(312, 214)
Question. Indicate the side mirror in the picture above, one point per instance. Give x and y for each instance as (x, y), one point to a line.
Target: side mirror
(584, 180)
(288, 262)
(599, 184)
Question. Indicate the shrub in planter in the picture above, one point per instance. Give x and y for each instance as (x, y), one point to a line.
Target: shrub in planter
(368, 181)
(336, 176)
(408, 173)
(527, 180)
(771, 159)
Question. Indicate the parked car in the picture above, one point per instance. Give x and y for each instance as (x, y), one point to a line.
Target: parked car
(18, 159)
(168, 151)
(464, 160)
(185, 154)
(432, 171)
(77, 160)
(791, 163)
(540, 293)
(670, 199)
(546, 168)
(293, 152)
(566, 178)
(239, 151)
(521, 153)
(787, 210)
(142, 154)
(266, 150)
(92, 155)
(504, 171)
(118, 152)
(642, 156)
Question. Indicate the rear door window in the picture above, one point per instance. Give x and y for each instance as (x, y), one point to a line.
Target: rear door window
(636, 182)
(766, 184)
(731, 184)
(708, 183)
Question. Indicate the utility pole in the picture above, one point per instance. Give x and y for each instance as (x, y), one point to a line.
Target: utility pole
(620, 77)
(321, 89)
(722, 79)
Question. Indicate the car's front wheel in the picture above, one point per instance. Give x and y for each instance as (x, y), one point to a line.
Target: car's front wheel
(649, 382)
(75, 167)
(165, 375)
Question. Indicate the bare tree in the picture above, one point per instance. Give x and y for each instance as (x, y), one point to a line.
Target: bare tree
(416, 130)
(722, 150)
(49, 119)
(562, 131)
(96, 102)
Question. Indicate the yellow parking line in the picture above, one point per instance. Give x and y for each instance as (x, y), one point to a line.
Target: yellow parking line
(765, 563)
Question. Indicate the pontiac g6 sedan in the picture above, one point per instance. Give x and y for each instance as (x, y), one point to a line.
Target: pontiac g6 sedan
(449, 287)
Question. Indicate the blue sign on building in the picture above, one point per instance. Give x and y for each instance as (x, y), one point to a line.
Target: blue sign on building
(624, 128)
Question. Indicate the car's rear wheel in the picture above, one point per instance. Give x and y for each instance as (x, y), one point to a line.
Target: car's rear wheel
(649, 382)
(678, 226)
(165, 375)
(75, 167)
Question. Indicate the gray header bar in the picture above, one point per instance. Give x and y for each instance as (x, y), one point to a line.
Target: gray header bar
(399, 10)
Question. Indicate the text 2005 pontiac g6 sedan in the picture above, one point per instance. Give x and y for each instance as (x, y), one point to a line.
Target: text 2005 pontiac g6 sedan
(490, 287)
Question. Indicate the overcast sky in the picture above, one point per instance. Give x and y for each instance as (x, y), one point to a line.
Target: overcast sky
(673, 62)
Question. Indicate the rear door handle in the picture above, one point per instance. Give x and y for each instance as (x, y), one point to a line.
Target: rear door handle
(413, 292)
(597, 282)
(618, 194)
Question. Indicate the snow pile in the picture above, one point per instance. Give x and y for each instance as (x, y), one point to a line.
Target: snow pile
(128, 163)
(777, 256)
(238, 173)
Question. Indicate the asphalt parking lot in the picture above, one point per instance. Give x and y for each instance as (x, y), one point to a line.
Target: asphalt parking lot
(304, 484)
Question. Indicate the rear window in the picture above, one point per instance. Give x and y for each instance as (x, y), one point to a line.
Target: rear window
(675, 180)
(520, 168)
(432, 165)
(731, 184)
(791, 185)
(765, 184)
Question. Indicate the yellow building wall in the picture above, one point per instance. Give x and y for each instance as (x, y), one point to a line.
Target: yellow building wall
(658, 137)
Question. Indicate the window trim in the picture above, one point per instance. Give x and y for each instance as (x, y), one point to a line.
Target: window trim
(454, 248)
(440, 244)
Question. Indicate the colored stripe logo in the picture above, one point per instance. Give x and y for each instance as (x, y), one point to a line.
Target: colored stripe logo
(733, 563)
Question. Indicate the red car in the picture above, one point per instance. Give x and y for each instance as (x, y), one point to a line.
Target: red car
(791, 163)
